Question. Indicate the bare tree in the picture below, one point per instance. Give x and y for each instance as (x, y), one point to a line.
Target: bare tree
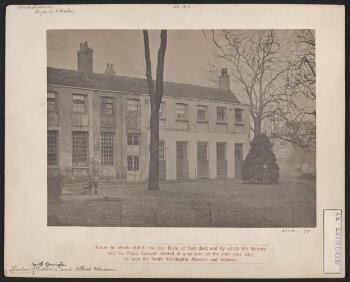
(303, 68)
(156, 94)
(257, 67)
(301, 133)
(275, 77)
(299, 123)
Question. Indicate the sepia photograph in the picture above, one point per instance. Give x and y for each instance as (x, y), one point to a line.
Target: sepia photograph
(181, 128)
(175, 141)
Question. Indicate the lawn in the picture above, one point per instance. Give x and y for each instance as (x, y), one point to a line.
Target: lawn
(197, 204)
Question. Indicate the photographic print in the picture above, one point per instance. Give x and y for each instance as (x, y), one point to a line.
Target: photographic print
(181, 128)
(155, 143)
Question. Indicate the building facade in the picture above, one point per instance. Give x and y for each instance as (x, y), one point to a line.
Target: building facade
(98, 124)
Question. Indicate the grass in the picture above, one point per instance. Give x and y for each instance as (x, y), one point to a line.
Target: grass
(220, 204)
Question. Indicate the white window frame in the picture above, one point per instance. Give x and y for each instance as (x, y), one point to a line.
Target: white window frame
(132, 164)
(162, 111)
(237, 110)
(107, 143)
(224, 112)
(79, 97)
(181, 107)
(205, 108)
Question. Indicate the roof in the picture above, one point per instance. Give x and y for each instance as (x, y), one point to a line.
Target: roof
(74, 78)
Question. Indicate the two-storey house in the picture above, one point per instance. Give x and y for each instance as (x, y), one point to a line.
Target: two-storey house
(98, 124)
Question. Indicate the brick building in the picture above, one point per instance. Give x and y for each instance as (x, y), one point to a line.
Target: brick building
(98, 124)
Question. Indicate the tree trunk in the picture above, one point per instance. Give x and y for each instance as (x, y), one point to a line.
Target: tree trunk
(156, 99)
(257, 127)
(153, 172)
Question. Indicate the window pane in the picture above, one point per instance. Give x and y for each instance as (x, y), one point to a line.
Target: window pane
(132, 113)
(133, 139)
(202, 112)
(51, 104)
(109, 109)
(221, 112)
(52, 147)
(132, 107)
(161, 150)
(136, 139)
(107, 106)
(133, 163)
(130, 163)
(221, 151)
(181, 150)
(181, 111)
(162, 110)
(238, 115)
(202, 151)
(78, 103)
(136, 163)
(130, 139)
(80, 148)
(239, 151)
(79, 97)
(107, 148)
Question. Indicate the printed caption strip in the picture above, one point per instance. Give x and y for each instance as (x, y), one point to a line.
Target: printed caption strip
(159, 254)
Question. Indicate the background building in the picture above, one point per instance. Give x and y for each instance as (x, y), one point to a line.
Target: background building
(98, 124)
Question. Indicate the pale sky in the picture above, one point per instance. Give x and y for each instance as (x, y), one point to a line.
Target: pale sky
(188, 57)
(186, 60)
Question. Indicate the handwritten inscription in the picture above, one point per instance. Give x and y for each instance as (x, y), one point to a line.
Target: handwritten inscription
(181, 253)
(43, 10)
(45, 266)
(182, 6)
(292, 230)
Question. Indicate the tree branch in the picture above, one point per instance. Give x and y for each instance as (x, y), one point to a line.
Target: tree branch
(148, 65)
(160, 66)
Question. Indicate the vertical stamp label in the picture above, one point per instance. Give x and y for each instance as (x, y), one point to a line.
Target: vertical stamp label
(332, 241)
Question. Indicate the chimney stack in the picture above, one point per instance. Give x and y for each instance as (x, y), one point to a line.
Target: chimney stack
(224, 79)
(85, 58)
(110, 69)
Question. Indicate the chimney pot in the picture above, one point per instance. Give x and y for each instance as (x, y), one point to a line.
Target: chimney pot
(223, 71)
(224, 79)
(110, 69)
